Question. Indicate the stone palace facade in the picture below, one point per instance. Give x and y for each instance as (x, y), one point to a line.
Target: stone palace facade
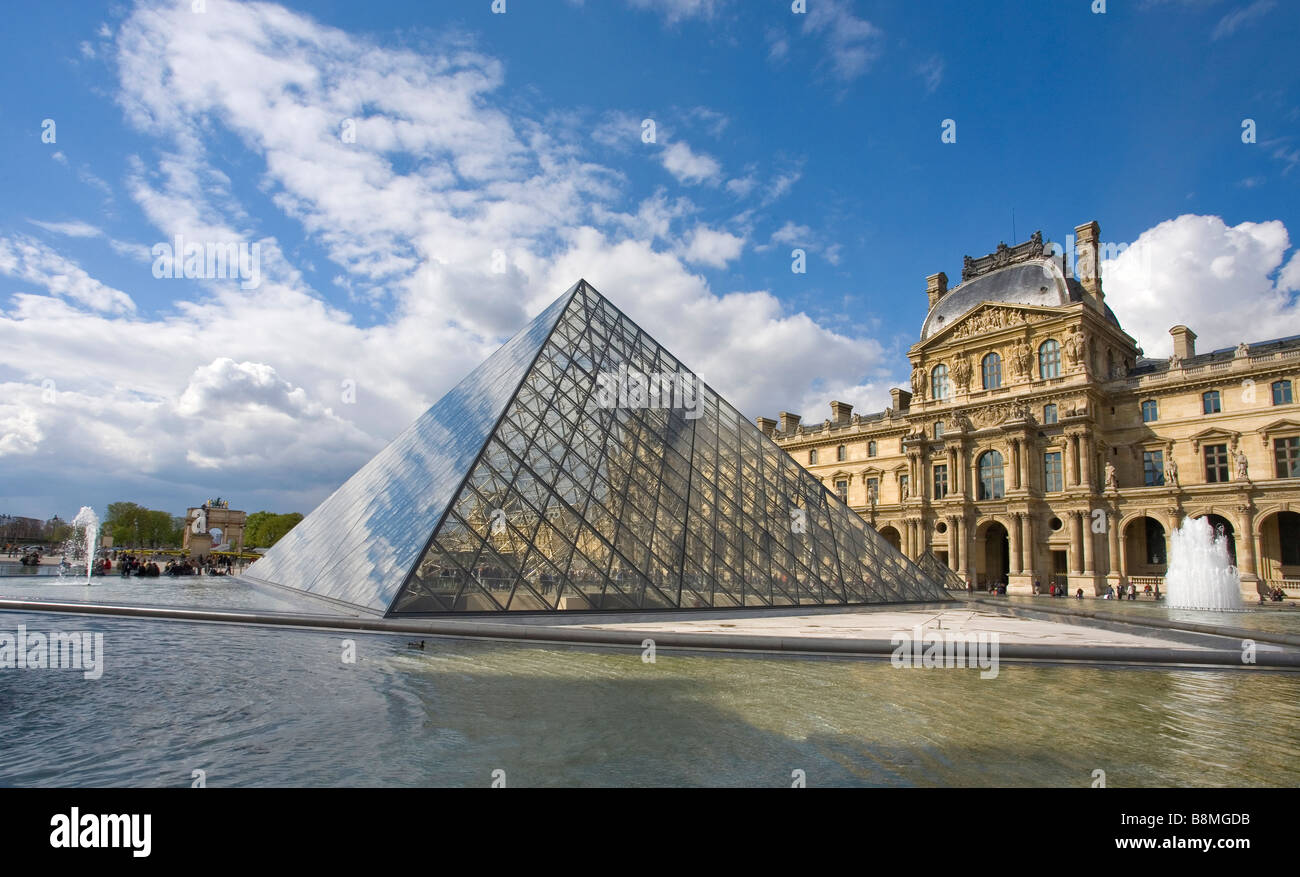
(1037, 444)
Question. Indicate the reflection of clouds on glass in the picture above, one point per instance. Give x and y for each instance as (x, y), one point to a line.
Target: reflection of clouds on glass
(359, 544)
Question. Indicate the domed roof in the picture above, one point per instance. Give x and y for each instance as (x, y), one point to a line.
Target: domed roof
(1038, 282)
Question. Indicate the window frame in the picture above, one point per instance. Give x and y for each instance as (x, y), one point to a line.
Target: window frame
(1053, 474)
(1284, 385)
(940, 384)
(1049, 354)
(991, 371)
(1211, 397)
(1155, 410)
(994, 485)
(1217, 463)
(1055, 416)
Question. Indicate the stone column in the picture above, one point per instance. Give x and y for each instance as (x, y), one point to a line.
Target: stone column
(954, 473)
(1089, 546)
(1015, 464)
(1246, 551)
(954, 545)
(1114, 551)
(1026, 451)
(1027, 546)
(966, 568)
(1067, 460)
(1076, 543)
(1013, 552)
(1085, 460)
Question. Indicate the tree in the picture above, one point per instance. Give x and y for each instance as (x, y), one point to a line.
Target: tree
(134, 526)
(263, 529)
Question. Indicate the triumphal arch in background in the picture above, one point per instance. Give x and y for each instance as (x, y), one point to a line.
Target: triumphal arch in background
(214, 520)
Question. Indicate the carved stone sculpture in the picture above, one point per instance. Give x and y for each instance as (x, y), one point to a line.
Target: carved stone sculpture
(961, 372)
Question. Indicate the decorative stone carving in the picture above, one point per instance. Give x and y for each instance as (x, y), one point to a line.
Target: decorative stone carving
(918, 381)
(1243, 466)
(1003, 256)
(1022, 359)
(992, 415)
(1112, 480)
(1075, 347)
(1171, 470)
(992, 318)
(961, 372)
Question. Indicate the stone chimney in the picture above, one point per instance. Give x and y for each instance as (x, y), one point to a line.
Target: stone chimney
(1087, 263)
(789, 422)
(841, 413)
(936, 287)
(1184, 342)
(901, 398)
(766, 425)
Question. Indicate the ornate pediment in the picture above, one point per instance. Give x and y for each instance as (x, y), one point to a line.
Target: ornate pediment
(1278, 427)
(1214, 435)
(991, 317)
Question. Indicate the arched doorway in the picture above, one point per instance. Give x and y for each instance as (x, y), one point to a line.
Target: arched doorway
(1218, 522)
(1146, 547)
(892, 537)
(1279, 549)
(996, 560)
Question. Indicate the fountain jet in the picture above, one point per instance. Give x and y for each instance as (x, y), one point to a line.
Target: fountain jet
(1201, 575)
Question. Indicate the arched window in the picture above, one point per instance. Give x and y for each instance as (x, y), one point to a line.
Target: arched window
(812, 457)
(1049, 413)
(992, 370)
(841, 454)
(1281, 392)
(939, 390)
(1049, 359)
(871, 449)
(1150, 411)
(991, 485)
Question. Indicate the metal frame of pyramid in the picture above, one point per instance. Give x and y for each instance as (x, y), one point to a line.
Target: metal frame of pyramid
(563, 475)
(932, 566)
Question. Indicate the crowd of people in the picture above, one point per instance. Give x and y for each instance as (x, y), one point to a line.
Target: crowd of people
(130, 565)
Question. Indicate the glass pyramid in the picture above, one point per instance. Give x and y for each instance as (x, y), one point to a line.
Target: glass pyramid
(936, 569)
(582, 467)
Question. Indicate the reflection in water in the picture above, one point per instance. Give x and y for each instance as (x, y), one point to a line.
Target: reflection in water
(278, 707)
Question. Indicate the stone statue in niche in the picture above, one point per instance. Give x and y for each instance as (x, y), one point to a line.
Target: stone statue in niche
(1171, 470)
(1112, 481)
(961, 371)
(1075, 345)
(1243, 466)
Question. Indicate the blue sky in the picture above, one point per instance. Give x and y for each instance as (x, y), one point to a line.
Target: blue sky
(498, 157)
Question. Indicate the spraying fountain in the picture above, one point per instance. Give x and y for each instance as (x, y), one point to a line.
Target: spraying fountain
(88, 523)
(1201, 575)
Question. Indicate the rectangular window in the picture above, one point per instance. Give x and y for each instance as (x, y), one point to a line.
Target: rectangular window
(1150, 411)
(873, 489)
(1210, 402)
(842, 488)
(940, 482)
(1153, 468)
(1053, 479)
(938, 430)
(1282, 393)
(1287, 453)
(1216, 464)
(1049, 413)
